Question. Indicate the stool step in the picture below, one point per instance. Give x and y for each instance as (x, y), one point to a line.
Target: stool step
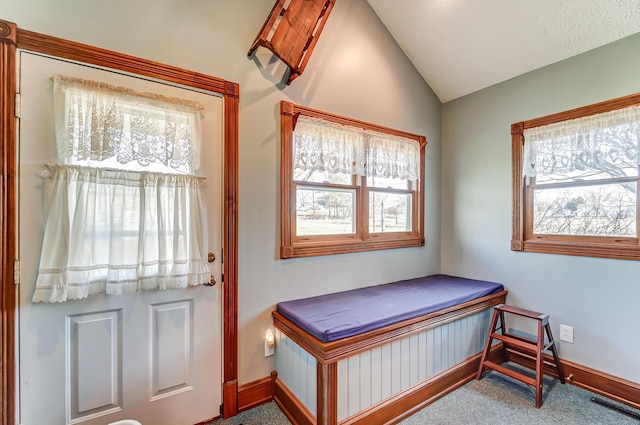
(520, 343)
(511, 373)
(522, 312)
(523, 336)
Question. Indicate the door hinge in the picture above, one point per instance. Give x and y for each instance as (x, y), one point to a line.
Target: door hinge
(222, 409)
(222, 260)
(222, 277)
(16, 272)
(18, 105)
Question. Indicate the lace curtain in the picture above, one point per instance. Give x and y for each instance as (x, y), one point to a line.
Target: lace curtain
(598, 146)
(121, 230)
(121, 128)
(335, 148)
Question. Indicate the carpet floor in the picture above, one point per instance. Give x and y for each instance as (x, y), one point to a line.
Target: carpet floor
(495, 399)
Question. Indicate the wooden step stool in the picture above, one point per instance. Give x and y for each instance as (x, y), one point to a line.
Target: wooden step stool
(531, 349)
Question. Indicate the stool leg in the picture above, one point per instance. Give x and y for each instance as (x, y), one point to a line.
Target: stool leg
(554, 351)
(487, 344)
(539, 365)
(503, 330)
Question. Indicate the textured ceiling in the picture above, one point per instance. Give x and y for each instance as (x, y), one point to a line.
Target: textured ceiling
(461, 46)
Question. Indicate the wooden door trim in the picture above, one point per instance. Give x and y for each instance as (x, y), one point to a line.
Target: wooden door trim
(13, 38)
(8, 42)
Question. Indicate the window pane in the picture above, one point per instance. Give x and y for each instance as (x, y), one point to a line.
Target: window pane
(320, 176)
(325, 211)
(389, 212)
(599, 210)
(387, 183)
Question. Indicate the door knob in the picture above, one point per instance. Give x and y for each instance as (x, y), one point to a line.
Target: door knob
(211, 257)
(212, 281)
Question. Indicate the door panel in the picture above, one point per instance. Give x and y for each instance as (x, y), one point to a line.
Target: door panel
(93, 343)
(154, 356)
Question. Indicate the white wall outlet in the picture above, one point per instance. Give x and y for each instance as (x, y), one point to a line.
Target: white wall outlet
(566, 333)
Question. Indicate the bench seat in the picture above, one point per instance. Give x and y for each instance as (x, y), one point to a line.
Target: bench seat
(343, 314)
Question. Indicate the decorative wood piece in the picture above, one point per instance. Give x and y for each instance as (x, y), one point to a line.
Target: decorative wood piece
(291, 32)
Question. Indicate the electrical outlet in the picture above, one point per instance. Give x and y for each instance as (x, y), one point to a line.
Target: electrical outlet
(566, 333)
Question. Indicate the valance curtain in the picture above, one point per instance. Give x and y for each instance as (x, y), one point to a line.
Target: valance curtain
(110, 227)
(120, 128)
(598, 146)
(335, 148)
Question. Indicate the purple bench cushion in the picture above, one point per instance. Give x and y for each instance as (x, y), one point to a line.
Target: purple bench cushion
(342, 314)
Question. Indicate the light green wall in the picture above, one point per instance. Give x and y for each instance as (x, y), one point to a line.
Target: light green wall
(356, 70)
(598, 297)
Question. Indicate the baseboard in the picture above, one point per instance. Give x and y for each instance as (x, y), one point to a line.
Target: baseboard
(294, 410)
(230, 398)
(601, 383)
(405, 404)
(256, 392)
(251, 395)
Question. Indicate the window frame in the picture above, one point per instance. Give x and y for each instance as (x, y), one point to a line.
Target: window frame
(523, 238)
(293, 246)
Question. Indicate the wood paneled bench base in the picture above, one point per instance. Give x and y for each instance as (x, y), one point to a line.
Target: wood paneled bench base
(381, 376)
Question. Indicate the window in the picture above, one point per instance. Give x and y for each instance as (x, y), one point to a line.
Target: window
(124, 211)
(575, 181)
(347, 185)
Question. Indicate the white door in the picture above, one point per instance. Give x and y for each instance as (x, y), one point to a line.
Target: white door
(153, 356)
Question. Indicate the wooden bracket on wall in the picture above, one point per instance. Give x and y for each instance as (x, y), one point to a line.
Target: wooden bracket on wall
(292, 30)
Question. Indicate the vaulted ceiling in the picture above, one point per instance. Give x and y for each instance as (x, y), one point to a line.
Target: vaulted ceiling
(461, 46)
